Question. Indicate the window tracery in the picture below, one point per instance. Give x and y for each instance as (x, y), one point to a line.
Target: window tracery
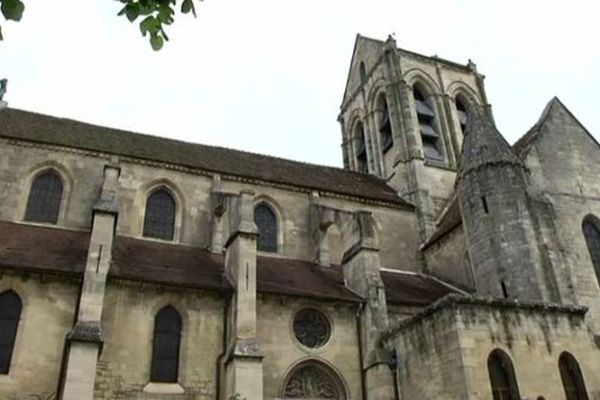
(45, 195)
(311, 328)
(266, 222)
(159, 219)
(313, 381)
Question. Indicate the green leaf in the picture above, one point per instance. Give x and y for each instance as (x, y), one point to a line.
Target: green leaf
(165, 14)
(12, 9)
(132, 11)
(156, 42)
(149, 24)
(187, 6)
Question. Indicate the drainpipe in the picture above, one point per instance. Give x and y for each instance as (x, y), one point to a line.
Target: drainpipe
(363, 376)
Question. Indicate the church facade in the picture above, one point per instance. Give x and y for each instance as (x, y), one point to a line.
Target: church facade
(440, 263)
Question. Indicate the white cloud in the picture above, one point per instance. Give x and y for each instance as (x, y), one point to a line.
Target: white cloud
(268, 75)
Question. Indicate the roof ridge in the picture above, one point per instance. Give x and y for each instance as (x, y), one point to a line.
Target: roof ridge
(42, 128)
(156, 136)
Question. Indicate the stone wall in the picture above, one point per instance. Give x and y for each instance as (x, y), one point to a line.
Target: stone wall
(46, 318)
(443, 351)
(128, 323)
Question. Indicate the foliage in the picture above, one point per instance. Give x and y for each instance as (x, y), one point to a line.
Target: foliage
(155, 14)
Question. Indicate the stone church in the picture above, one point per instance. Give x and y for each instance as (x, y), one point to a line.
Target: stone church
(440, 263)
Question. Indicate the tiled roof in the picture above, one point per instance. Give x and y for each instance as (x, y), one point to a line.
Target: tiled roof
(25, 125)
(410, 289)
(63, 251)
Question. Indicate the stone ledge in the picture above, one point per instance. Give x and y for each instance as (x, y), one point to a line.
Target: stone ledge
(163, 388)
(86, 331)
(484, 302)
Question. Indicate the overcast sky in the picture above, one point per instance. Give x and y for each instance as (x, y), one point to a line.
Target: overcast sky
(267, 75)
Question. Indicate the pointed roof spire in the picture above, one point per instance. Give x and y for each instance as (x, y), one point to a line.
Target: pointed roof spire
(483, 145)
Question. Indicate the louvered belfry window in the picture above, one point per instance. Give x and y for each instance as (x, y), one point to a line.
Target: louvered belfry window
(571, 377)
(432, 145)
(266, 222)
(10, 314)
(385, 127)
(165, 346)
(43, 204)
(461, 111)
(502, 376)
(592, 239)
(159, 220)
(361, 148)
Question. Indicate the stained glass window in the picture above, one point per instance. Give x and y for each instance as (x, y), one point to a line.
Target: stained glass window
(502, 376)
(592, 238)
(43, 204)
(165, 346)
(10, 313)
(311, 328)
(571, 377)
(266, 222)
(159, 221)
(314, 381)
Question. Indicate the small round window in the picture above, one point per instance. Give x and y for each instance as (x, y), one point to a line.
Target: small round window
(311, 328)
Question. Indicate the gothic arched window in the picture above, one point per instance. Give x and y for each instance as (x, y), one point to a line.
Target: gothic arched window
(10, 314)
(159, 219)
(461, 111)
(315, 381)
(432, 144)
(165, 346)
(502, 376)
(385, 126)
(571, 377)
(266, 222)
(592, 239)
(45, 195)
(360, 148)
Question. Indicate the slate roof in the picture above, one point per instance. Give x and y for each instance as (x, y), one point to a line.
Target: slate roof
(410, 289)
(62, 251)
(483, 144)
(450, 219)
(25, 125)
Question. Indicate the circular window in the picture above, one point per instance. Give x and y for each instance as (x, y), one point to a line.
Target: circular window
(311, 328)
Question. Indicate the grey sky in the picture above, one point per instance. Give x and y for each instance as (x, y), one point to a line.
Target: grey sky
(267, 75)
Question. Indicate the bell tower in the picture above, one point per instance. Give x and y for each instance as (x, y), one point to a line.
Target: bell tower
(402, 119)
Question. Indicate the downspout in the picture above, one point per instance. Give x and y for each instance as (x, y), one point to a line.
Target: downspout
(363, 376)
(226, 304)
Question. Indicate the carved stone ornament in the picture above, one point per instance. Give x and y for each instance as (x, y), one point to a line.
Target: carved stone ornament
(311, 328)
(313, 382)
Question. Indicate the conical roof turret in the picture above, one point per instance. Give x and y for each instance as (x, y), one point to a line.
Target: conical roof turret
(483, 145)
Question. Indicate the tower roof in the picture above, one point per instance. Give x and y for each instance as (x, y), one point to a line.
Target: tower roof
(483, 145)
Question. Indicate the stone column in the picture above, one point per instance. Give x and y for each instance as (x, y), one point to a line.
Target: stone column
(361, 266)
(243, 363)
(84, 341)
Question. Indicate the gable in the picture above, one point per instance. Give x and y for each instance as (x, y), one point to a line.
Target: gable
(366, 50)
(560, 153)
